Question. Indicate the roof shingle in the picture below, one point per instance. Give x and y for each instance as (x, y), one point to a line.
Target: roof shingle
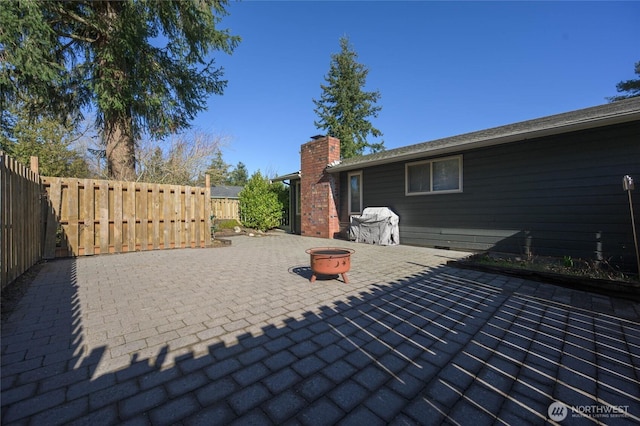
(612, 113)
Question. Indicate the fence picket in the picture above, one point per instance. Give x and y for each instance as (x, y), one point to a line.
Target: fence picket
(103, 217)
(54, 193)
(206, 201)
(4, 201)
(197, 209)
(18, 258)
(166, 216)
(142, 195)
(129, 215)
(155, 216)
(89, 218)
(187, 213)
(117, 216)
(176, 217)
(71, 229)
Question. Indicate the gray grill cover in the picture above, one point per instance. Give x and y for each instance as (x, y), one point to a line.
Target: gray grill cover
(376, 225)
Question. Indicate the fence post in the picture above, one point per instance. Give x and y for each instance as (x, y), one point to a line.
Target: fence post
(34, 164)
(207, 210)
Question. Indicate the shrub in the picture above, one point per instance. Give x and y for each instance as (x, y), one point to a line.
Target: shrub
(259, 204)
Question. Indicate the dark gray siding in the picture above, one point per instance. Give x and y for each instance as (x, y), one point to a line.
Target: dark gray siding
(553, 196)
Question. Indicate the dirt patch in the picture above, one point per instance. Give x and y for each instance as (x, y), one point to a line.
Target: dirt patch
(579, 274)
(561, 266)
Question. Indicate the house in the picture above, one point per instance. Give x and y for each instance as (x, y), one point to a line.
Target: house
(225, 191)
(551, 186)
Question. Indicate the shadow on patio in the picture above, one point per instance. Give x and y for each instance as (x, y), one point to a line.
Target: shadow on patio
(433, 347)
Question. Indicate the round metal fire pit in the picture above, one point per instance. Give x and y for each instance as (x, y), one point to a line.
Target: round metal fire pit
(330, 261)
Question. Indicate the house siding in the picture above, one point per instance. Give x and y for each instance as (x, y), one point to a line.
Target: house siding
(554, 196)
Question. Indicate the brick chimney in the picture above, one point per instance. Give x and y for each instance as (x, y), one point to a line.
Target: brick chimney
(319, 191)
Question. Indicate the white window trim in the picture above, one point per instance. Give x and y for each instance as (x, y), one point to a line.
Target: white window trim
(431, 191)
(349, 175)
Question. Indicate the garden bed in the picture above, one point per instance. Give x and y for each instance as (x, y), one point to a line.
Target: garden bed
(573, 273)
(223, 228)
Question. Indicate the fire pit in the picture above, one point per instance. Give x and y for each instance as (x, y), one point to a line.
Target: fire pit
(330, 261)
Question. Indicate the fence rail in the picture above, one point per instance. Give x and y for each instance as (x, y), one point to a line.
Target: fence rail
(20, 219)
(89, 217)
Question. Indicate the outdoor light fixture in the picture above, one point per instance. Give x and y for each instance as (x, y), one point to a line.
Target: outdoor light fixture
(627, 185)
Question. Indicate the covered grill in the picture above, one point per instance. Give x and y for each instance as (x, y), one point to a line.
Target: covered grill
(376, 225)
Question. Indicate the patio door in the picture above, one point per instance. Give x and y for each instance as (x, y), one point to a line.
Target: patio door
(355, 192)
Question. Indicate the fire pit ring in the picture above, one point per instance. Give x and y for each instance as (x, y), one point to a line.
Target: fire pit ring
(330, 261)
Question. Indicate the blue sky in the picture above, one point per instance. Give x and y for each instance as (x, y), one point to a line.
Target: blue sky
(442, 68)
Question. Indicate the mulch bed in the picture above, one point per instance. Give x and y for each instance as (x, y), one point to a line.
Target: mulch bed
(626, 289)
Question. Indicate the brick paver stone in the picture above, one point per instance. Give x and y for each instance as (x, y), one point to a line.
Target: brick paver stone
(239, 335)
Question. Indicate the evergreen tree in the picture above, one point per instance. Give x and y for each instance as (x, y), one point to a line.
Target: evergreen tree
(344, 107)
(259, 204)
(632, 87)
(48, 140)
(144, 67)
(238, 176)
(218, 170)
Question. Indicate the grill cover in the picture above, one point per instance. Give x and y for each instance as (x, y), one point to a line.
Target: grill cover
(376, 225)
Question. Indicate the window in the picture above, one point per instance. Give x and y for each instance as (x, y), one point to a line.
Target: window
(355, 192)
(443, 175)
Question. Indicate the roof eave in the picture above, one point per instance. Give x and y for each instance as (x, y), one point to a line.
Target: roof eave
(473, 144)
(290, 176)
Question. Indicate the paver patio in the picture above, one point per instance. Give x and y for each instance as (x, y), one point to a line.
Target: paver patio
(238, 335)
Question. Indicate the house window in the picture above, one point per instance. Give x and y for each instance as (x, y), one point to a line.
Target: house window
(443, 175)
(355, 192)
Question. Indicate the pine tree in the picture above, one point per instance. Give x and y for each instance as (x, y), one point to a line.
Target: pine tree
(344, 107)
(143, 67)
(632, 87)
(50, 141)
(218, 170)
(239, 175)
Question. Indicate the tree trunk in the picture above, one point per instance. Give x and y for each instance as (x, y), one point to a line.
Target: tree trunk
(111, 73)
(121, 161)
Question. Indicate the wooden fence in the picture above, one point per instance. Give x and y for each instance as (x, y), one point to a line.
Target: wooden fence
(225, 208)
(21, 219)
(89, 217)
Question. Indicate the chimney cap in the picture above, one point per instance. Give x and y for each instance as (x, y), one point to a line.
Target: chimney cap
(316, 137)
